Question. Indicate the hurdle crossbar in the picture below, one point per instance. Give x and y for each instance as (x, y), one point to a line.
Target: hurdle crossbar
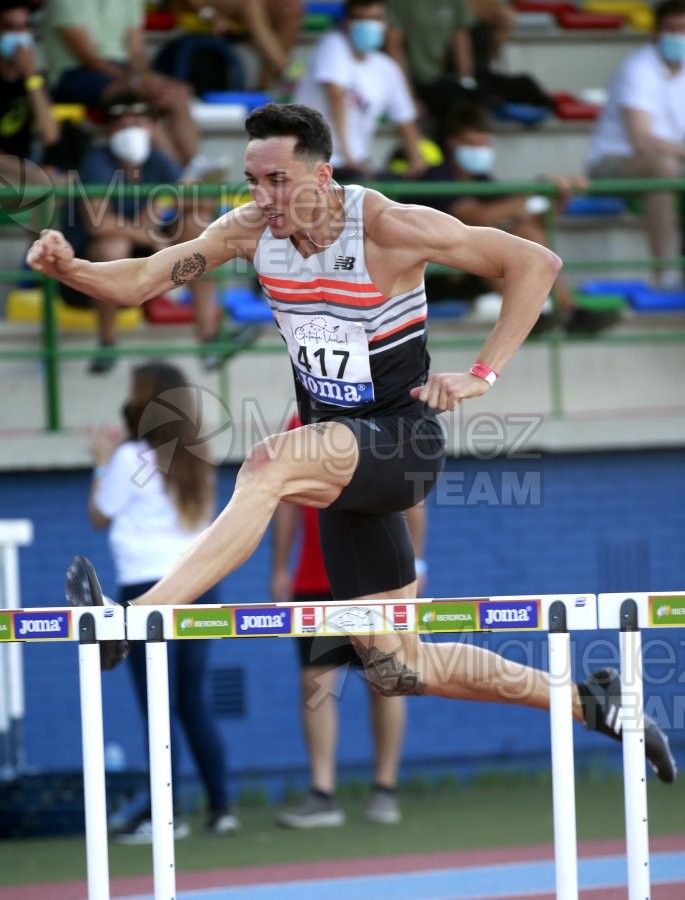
(555, 614)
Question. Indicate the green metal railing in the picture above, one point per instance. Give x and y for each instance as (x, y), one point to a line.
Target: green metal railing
(45, 203)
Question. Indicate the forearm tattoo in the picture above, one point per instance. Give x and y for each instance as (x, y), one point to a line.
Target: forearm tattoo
(188, 269)
(386, 675)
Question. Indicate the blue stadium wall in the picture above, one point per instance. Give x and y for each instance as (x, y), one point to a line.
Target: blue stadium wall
(562, 523)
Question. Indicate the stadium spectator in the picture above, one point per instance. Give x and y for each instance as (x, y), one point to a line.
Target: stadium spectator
(432, 43)
(272, 26)
(25, 106)
(449, 56)
(641, 130)
(114, 227)
(322, 661)
(469, 157)
(352, 83)
(95, 50)
(155, 495)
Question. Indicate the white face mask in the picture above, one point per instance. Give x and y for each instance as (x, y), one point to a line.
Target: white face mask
(475, 160)
(131, 145)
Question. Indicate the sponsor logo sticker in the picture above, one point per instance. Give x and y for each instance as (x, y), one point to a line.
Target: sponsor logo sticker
(42, 626)
(450, 616)
(400, 617)
(667, 611)
(260, 621)
(509, 614)
(354, 620)
(308, 619)
(202, 623)
(5, 626)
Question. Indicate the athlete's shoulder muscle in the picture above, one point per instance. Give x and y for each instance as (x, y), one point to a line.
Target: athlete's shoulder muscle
(236, 233)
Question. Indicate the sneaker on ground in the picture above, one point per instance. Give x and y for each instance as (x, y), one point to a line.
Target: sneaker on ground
(314, 812)
(383, 808)
(100, 365)
(600, 696)
(139, 831)
(222, 822)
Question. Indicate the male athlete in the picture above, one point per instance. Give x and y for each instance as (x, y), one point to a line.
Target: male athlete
(343, 270)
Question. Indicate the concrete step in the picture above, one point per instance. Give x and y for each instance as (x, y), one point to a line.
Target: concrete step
(569, 60)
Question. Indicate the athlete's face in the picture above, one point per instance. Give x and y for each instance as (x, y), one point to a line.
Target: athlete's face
(287, 189)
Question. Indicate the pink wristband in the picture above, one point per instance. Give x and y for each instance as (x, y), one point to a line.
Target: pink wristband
(480, 370)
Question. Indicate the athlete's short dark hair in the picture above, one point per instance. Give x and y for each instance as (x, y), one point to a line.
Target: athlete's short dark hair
(308, 127)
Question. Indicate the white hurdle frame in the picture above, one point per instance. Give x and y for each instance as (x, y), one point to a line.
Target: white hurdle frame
(579, 612)
(561, 613)
(14, 533)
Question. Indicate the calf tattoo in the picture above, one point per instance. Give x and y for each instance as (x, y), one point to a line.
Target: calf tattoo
(387, 675)
(188, 269)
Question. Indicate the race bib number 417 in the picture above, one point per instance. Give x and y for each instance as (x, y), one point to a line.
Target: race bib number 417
(331, 358)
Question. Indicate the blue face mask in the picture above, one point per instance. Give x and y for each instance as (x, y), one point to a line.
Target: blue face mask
(366, 35)
(10, 40)
(474, 160)
(672, 47)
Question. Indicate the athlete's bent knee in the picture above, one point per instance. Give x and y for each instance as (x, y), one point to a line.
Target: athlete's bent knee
(388, 675)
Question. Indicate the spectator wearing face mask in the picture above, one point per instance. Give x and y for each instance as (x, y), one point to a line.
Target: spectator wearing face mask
(115, 227)
(352, 83)
(469, 153)
(641, 131)
(94, 50)
(25, 107)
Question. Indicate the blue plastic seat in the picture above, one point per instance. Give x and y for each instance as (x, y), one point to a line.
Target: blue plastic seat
(649, 299)
(524, 113)
(244, 305)
(250, 99)
(595, 206)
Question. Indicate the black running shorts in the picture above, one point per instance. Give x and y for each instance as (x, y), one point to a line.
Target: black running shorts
(364, 534)
(327, 652)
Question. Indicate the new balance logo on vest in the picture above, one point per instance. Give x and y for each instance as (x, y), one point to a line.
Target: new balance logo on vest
(345, 262)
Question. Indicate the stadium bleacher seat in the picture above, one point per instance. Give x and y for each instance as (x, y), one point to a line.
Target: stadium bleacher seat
(641, 296)
(26, 305)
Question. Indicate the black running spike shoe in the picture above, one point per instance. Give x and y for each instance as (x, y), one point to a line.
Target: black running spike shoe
(82, 588)
(600, 695)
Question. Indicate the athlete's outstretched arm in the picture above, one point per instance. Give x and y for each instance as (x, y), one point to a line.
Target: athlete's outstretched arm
(130, 282)
(528, 271)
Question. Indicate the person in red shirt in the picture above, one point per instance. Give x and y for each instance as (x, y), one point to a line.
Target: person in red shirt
(321, 659)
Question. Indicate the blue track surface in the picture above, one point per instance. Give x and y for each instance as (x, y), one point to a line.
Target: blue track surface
(518, 879)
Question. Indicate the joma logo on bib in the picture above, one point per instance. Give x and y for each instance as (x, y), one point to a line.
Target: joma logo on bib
(340, 393)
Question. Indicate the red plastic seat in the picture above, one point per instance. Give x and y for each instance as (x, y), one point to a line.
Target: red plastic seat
(160, 21)
(548, 6)
(163, 311)
(568, 107)
(578, 19)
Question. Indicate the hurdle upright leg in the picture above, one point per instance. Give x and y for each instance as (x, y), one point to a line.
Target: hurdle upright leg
(92, 739)
(563, 773)
(634, 765)
(159, 730)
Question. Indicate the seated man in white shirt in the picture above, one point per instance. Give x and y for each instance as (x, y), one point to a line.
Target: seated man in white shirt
(352, 83)
(641, 132)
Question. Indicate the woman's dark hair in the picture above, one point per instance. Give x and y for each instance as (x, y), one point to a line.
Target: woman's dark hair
(162, 411)
(308, 127)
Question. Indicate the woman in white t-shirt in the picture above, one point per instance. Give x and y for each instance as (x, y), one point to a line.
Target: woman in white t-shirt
(156, 492)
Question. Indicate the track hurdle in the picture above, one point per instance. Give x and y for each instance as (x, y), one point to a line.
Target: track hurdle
(14, 533)
(557, 614)
(88, 626)
(630, 613)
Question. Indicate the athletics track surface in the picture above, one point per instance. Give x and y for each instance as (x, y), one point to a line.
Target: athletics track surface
(514, 873)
